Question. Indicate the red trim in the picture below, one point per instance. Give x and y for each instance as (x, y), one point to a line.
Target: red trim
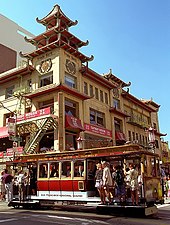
(57, 185)
(57, 44)
(61, 87)
(53, 34)
(97, 77)
(137, 101)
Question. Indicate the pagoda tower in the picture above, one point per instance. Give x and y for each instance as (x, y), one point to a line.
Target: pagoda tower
(57, 64)
(57, 35)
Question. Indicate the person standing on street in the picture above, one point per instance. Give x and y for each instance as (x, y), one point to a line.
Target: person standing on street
(107, 180)
(8, 178)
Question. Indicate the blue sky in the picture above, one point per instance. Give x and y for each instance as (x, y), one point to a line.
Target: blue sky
(131, 37)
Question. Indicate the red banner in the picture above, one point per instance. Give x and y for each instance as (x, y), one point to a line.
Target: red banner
(98, 130)
(35, 114)
(1, 154)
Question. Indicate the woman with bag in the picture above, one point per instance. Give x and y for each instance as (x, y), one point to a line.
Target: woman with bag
(99, 182)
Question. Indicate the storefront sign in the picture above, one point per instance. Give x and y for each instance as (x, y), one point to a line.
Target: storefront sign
(11, 126)
(35, 114)
(97, 130)
(17, 150)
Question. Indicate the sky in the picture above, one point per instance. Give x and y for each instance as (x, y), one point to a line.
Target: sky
(131, 37)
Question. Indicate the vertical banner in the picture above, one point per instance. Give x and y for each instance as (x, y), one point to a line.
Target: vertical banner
(11, 126)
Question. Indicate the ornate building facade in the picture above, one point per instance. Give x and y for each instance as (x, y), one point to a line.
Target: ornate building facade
(60, 104)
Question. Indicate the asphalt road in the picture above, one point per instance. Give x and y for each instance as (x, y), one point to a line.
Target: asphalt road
(21, 216)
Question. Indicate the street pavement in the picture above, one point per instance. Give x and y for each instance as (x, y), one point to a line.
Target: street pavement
(89, 208)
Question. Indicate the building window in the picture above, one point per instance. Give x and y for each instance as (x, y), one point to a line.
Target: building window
(85, 88)
(116, 103)
(29, 85)
(133, 136)
(96, 93)
(9, 91)
(136, 136)
(6, 116)
(91, 90)
(70, 81)
(46, 104)
(97, 117)
(101, 96)
(118, 124)
(106, 98)
(71, 108)
(46, 79)
(156, 144)
(129, 135)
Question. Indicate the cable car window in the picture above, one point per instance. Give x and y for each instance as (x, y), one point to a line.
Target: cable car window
(43, 170)
(54, 169)
(91, 169)
(79, 168)
(66, 169)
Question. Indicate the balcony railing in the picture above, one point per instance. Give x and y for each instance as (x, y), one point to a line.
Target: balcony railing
(135, 120)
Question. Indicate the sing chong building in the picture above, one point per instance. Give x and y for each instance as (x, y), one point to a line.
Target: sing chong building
(60, 104)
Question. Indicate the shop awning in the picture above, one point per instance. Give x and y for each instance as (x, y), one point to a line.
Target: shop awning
(4, 132)
(120, 136)
(74, 124)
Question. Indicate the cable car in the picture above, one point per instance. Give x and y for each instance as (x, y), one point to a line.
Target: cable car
(70, 177)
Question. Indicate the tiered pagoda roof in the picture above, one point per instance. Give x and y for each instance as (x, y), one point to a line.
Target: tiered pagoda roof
(57, 35)
(56, 18)
(115, 80)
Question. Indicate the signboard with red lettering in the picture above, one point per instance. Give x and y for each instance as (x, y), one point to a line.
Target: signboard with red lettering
(34, 114)
(17, 150)
(98, 130)
(11, 126)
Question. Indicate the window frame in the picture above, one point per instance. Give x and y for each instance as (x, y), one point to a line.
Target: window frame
(71, 82)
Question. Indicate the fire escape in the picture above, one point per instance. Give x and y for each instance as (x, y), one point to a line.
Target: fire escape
(37, 128)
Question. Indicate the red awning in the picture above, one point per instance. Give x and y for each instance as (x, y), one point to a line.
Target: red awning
(73, 123)
(120, 136)
(4, 132)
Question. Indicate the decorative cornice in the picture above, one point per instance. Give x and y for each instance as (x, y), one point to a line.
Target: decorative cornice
(13, 74)
(53, 87)
(137, 101)
(118, 111)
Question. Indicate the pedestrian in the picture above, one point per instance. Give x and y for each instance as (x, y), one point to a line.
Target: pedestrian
(8, 180)
(107, 180)
(168, 184)
(120, 183)
(134, 186)
(2, 187)
(99, 182)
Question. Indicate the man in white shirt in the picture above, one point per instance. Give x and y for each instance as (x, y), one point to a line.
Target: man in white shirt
(107, 180)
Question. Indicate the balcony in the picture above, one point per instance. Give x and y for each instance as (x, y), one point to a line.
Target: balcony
(21, 91)
(136, 121)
